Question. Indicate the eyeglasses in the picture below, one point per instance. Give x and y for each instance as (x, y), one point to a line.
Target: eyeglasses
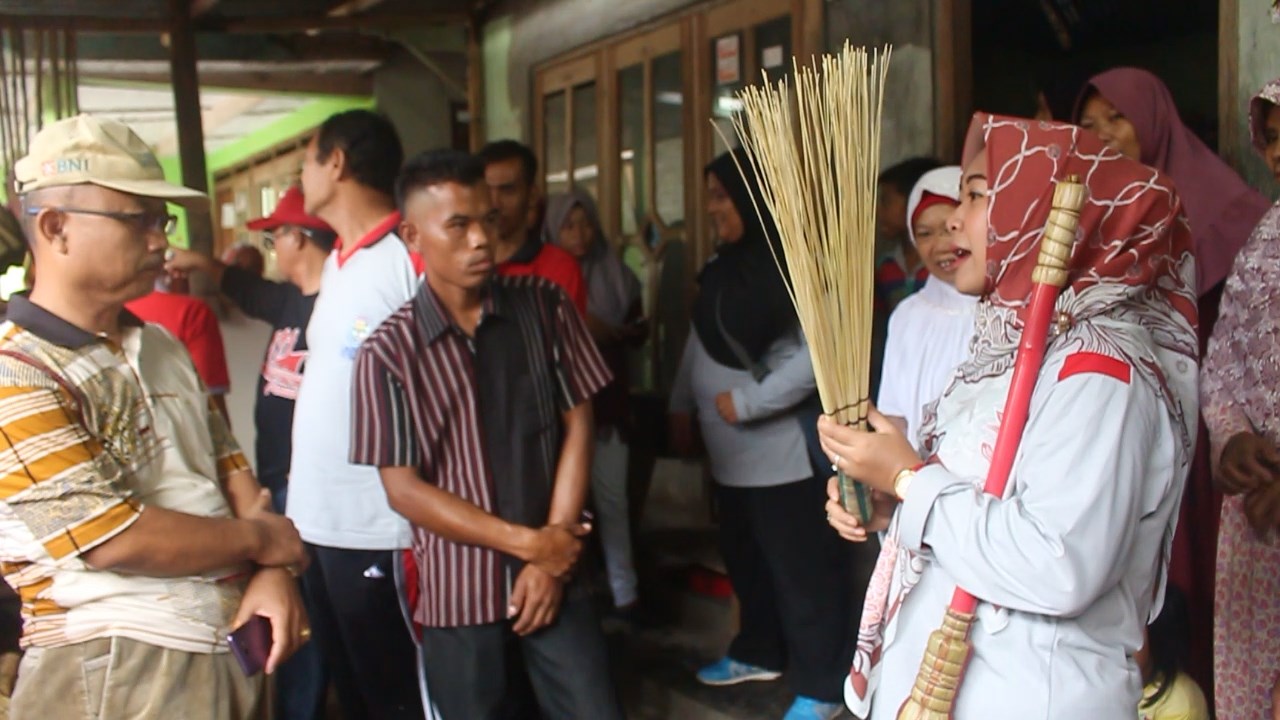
(143, 222)
(269, 236)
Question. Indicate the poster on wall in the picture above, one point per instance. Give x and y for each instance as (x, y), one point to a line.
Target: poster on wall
(728, 60)
(771, 57)
(229, 215)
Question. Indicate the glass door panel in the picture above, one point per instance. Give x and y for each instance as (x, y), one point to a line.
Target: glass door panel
(555, 156)
(585, 131)
(632, 151)
(668, 139)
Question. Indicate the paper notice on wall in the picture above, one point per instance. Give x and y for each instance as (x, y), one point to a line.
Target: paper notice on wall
(771, 57)
(728, 60)
(228, 215)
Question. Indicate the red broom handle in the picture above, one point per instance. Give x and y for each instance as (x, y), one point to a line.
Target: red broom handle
(1049, 278)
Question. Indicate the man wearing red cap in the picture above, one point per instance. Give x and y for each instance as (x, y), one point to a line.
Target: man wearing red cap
(301, 243)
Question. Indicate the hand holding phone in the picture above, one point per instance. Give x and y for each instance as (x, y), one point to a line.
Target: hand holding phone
(251, 644)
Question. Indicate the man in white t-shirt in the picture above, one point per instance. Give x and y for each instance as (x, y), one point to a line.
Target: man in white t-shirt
(341, 510)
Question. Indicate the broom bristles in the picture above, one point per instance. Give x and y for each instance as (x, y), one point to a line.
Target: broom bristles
(817, 170)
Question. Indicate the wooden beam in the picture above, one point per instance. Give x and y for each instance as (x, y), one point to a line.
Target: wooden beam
(338, 46)
(244, 48)
(347, 8)
(350, 84)
(200, 7)
(952, 76)
(308, 23)
(150, 26)
(1229, 105)
(284, 25)
(451, 83)
(1054, 18)
(186, 101)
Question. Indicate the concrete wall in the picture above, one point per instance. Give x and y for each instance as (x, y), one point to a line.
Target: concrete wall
(908, 119)
(1257, 61)
(416, 87)
(417, 100)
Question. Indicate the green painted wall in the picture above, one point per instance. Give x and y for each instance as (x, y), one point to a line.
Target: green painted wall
(290, 126)
(306, 118)
(1257, 60)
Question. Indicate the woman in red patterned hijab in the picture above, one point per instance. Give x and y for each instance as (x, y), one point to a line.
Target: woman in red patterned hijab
(1069, 565)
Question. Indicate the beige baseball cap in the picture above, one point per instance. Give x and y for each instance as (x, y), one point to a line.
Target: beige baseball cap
(89, 150)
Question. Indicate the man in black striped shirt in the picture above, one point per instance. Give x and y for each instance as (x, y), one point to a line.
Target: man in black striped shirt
(474, 402)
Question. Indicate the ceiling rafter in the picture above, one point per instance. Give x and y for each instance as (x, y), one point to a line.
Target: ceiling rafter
(213, 118)
(241, 24)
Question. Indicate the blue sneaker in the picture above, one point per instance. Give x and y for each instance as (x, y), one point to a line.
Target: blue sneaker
(806, 708)
(727, 671)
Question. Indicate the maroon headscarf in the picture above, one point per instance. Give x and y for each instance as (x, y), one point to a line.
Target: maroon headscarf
(1221, 207)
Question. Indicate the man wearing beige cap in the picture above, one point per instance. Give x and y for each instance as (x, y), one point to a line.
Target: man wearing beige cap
(130, 523)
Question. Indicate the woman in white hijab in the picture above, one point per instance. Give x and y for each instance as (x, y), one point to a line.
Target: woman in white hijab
(929, 332)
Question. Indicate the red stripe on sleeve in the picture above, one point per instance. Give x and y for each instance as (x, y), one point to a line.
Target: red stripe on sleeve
(1090, 362)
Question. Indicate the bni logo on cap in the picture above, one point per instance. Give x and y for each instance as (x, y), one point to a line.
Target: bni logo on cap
(65, 165)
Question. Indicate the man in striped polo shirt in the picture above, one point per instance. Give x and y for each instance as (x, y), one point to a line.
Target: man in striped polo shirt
(474, 402)
(130, 523)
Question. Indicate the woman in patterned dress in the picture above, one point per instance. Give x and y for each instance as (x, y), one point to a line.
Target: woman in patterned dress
(1240, 394)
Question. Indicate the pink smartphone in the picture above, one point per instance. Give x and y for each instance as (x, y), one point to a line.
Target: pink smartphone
(251, 644)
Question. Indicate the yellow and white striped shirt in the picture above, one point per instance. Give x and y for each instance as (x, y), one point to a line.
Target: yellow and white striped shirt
(90, 434)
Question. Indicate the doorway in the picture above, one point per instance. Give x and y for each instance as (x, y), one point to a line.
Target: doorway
(1021, 48)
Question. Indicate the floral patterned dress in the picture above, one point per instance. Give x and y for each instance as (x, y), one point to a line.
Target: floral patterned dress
(1240, 392)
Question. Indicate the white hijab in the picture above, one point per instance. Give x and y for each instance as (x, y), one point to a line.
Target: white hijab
(929, 332)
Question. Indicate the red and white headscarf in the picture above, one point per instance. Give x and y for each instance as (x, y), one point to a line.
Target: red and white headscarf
(940, 186)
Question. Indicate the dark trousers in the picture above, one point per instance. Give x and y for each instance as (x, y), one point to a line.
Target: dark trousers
(470, 673)
(360, 629)
(300, 681)
(791, 573)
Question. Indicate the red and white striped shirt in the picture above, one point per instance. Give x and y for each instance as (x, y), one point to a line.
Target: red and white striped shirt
(479, 417)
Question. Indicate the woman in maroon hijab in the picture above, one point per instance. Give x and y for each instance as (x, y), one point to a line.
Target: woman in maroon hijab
(1132, 111)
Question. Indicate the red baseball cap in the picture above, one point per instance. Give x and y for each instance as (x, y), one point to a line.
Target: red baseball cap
(289, 211)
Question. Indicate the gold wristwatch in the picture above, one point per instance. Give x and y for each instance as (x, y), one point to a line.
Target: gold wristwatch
(902, 482)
